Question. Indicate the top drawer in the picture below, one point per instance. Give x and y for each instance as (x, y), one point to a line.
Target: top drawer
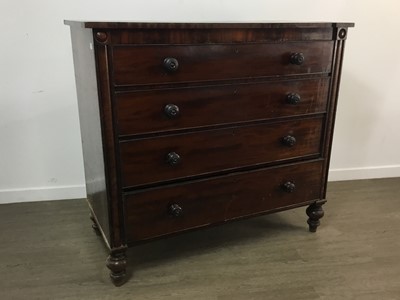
(136, 65)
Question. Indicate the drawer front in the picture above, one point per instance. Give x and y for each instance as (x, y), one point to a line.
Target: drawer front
(188, 63)
(163, 158)
(165, 210)
(171, 109)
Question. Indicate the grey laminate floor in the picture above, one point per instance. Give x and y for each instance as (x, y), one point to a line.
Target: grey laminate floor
(48, 251)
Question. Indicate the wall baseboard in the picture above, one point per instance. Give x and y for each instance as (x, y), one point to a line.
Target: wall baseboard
(43, 194)
(79, 191)
(364, 173)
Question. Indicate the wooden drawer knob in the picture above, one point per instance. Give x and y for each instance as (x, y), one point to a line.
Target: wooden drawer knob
(175, 210)
(173, 158)
(297, 58)
(171, 64)
(293, 98)
(171, 110)
(289, 140)
(289, 187)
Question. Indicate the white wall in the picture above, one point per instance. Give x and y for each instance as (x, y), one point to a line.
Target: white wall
(40, 154)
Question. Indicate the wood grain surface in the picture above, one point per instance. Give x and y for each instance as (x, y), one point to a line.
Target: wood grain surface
(143, 111)
(218, 200)
(217, 62)
(144, 161)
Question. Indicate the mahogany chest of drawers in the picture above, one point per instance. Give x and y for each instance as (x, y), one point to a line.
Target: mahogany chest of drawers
(189, 125)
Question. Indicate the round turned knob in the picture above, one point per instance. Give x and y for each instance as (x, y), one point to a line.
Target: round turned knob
(342, 33)
(171, 64)
(173, 158)
(171, 110)
(289, 140)
(175, 210)
(293, 98)
(297, 58)
(289, 187)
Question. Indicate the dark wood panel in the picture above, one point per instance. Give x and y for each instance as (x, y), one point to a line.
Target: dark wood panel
(228, 25)
(228, 35)
(109, 146)
(145, 161)
(209, 25)
(217, 62)
(211, 201)
(334, 94)
(90, 125)
(144, 111)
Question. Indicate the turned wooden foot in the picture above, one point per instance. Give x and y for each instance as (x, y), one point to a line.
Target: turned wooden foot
(94, 225)
(314, 213)
(117, 262)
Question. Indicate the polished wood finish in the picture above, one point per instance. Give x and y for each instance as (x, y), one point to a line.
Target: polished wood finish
(117, 263)
(91, 132)
(144, 161)
(314, 212)
(218, 200)
(195, 124)
(140, 112)
(214, 26)
(217, 62)
(178, 36)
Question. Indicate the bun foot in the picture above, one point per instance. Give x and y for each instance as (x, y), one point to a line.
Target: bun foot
(314, 213)
(95, 227)
(117, 262)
